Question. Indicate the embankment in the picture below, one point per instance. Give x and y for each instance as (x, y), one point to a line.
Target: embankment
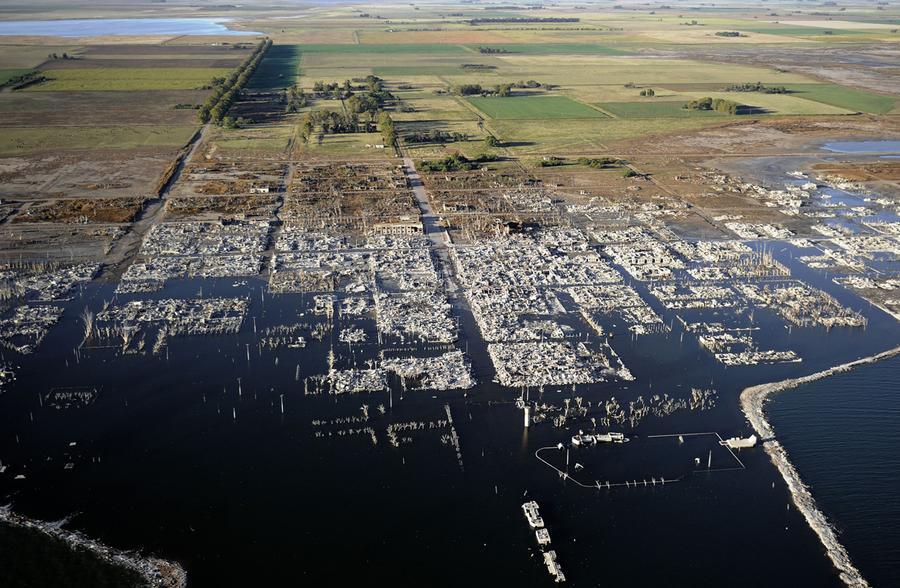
(753, 401)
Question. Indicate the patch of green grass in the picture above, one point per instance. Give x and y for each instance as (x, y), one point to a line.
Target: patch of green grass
(21, 140)
(278, 70)
(834, 95)
(392, 48)
(799, 31)
(30, 56)
(129, 79)
(344, 145)
(652, 109)
(562, 137)
(257, 138)
(554, 49)
(8, 74)
(413, 70)
(534, 107)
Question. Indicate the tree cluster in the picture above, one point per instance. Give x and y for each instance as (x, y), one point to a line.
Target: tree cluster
(225, 93)
(455, 162)
(520, 19)
(757, 87)
(329, 122)
(599, 162)
(332, 90)
(23, 81)
(648, 93)
(552, 161)
(436, 136)
(501, 90)
(388, 132)
(492, 50)
(295, 99)
(717, 104)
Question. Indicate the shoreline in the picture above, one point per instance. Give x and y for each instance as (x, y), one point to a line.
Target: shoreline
(155, 572)
(753, 401)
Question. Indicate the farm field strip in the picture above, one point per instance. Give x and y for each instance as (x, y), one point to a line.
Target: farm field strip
(533, 107)
(128, 79)
(22, 140)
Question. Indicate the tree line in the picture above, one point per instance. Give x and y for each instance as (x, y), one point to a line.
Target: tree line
(757, 87)
(717, 104)
(520, 19)
(455, 162)
(225, 91)
(501, 90)
(435, 136)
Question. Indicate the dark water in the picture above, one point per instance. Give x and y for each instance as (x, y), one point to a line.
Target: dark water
(843, 435)
(162, 465)
(93, 27)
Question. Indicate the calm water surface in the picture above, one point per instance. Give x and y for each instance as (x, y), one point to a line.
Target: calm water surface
(843, 435)
(162, 464)
(93, 27)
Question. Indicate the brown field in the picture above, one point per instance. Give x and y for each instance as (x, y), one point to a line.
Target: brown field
(87, 173)
(862, 171)
(58, 64)
(65, 242)
(316, 37)
(78, 210)
(205, 207)
(98, 108)
(170, 51)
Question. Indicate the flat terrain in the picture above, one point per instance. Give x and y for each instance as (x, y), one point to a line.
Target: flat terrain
(128, 79)
(534, 107)
(575, 207)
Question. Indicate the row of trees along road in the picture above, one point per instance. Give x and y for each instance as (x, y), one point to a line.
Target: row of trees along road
(225, 91)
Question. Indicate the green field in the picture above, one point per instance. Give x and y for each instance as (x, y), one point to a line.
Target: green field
(799, 31)
(579, 136)
(855, 100)
(129, 79)
(351, 144)
(652, 109)
(278, 70)
(411, 49)
(21, 140)
(533, 107)
(553, 49)
(259, 138)
(427, 70)
(7, 74)
(30, 56)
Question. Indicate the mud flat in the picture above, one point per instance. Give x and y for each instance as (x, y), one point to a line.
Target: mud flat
(155, 573)
(753, 400)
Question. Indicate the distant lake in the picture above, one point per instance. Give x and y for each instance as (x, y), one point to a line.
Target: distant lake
(863, 146)
(94, 27)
